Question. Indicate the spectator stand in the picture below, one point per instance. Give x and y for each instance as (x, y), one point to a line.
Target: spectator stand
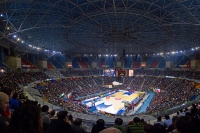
(88, 119)
(91, 119)
(36, 95)
(177, 108)
(54, 74)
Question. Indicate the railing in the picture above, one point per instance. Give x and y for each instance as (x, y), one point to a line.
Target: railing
(35, 94)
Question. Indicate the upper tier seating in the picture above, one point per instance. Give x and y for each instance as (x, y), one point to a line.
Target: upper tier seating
(75, 64)
(136, 64)
(50, 66)
(56, 64)
(83, 64)
(162, 64)
(154, 64)
(101, 63)
(127, 63)
(28, 64)
(185, 63)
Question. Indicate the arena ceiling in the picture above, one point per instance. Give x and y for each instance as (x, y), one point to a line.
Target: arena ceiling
(101, 26)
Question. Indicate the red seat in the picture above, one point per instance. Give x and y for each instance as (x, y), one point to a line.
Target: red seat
(28, 64)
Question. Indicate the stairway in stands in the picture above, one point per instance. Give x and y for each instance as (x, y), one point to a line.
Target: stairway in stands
(146, 103)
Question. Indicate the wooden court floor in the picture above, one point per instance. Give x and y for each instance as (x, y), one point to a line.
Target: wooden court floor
(116, 100)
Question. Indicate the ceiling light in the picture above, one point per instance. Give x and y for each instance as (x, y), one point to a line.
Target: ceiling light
(30, 45)
(8, 28)
(14, 36)
(1, 15)
(22, 41)
(192, 48)
(18, 39)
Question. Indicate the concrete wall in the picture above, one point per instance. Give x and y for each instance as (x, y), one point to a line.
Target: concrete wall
(119, 64)
(68, 65)
(169, 64)
(94, 65)
(143, 65)
(42, 64)
(195, 64)
(13, 62)
(198, 64)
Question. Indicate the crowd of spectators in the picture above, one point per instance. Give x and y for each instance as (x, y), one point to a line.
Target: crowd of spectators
(14, 79)
(169, 96)
(30, 117)
(71, 73)
(187, 122)
(176, 93)
(173, 92)
(176, 73)
(53, 74)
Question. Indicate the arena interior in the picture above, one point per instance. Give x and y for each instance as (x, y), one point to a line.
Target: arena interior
(99, 66)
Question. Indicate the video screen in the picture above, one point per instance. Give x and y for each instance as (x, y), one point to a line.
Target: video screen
(122, 73)
(143, 65)
(109, 72)
(131, 73)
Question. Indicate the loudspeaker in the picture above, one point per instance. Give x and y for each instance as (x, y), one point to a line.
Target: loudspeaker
(123, 53)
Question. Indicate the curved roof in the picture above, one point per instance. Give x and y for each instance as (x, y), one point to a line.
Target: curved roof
(102, 26)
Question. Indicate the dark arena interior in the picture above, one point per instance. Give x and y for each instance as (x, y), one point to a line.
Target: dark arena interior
(99, 66)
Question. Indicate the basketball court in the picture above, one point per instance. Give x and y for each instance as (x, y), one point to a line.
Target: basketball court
(113, 103)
